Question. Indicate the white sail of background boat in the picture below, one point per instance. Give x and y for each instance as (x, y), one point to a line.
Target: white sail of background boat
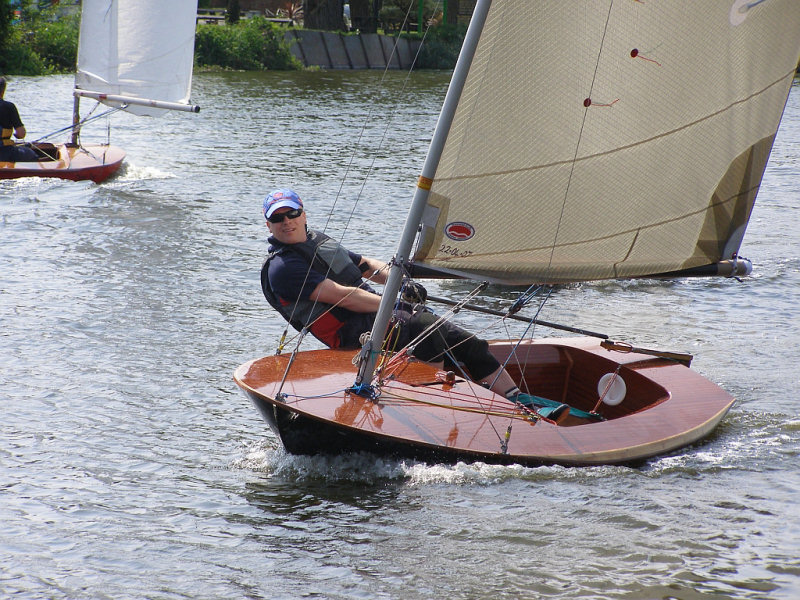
(133, 55)
(138, 52)
(578, 141)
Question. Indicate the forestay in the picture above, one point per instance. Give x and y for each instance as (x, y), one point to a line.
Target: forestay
(609, 139)
(138, 48)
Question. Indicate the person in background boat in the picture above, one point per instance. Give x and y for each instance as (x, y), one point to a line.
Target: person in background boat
(10, 123)
(310, 278)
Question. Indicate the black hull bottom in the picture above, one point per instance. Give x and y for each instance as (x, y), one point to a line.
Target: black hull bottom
(309, 437)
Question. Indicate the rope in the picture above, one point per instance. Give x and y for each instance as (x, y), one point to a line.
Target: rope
(610, 383)
(525, 298)
(390, 397)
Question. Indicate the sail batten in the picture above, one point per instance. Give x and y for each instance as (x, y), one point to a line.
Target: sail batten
(638, 147)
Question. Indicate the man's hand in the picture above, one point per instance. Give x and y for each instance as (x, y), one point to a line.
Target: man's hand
(414, 293)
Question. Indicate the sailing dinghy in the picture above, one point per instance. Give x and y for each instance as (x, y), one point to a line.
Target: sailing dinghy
(577, 142)
(133, 55)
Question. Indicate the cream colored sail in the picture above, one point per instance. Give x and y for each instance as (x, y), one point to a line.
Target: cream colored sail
(611, 138)
(137, 48)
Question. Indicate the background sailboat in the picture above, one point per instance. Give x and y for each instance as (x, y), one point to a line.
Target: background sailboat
(134, 55)
(577, 142)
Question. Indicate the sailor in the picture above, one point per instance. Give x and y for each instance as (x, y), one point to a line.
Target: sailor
(10, 123)
(311, 280)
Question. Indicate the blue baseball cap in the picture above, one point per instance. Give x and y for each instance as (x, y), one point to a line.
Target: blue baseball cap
(280, 199)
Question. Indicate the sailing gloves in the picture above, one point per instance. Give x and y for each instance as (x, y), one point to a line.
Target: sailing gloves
(413, 293)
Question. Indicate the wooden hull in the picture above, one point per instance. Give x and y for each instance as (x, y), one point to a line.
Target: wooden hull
(65, 161)
(667, 406)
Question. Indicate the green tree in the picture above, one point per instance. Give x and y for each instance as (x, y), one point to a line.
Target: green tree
(327, 15)
(42, 41)
(233, 12)
(55, 41)
(441, 47)
(17, 56)
(6, 14)
(364, 15)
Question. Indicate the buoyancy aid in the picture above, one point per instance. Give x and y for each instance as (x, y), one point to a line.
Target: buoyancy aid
(8, 116)
(326, 256)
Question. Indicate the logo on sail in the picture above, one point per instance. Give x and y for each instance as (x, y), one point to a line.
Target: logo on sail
(459, 231)
(740, 9)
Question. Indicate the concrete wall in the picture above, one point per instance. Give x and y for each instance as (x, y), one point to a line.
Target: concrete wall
(331, 50)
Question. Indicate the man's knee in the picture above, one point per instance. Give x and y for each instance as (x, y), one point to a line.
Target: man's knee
(27, 154)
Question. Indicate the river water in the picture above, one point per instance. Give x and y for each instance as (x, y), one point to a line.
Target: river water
(132, 467)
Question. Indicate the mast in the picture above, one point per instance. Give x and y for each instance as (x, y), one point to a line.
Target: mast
(76, 120)
(371, 349)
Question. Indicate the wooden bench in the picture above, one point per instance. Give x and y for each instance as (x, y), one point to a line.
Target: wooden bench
(210, 16)
(209, 19)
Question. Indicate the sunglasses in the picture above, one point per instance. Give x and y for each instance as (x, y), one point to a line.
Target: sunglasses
(289, 214)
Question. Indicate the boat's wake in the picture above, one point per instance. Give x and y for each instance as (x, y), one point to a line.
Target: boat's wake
(131, 172)
(271, 459)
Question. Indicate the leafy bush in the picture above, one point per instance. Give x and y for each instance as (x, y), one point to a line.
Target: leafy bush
(441, 47)
(41, 42)
(56, 42)
(252, 44)
(18, 59)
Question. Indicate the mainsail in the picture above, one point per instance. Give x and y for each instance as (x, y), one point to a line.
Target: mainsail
(141, 49)
(609, 139)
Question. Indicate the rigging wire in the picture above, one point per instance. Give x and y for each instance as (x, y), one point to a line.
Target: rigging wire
(587, 105)
(388, 367)
(351, 162)
(283, 342)
(428, 331)
(87, 119)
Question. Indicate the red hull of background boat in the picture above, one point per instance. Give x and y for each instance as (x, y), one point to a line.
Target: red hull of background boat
(76, 163)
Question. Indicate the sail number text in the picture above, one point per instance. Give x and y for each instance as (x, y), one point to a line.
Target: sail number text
(450, 250)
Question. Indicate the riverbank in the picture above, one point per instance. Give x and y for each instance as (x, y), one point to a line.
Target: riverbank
(41, 45)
